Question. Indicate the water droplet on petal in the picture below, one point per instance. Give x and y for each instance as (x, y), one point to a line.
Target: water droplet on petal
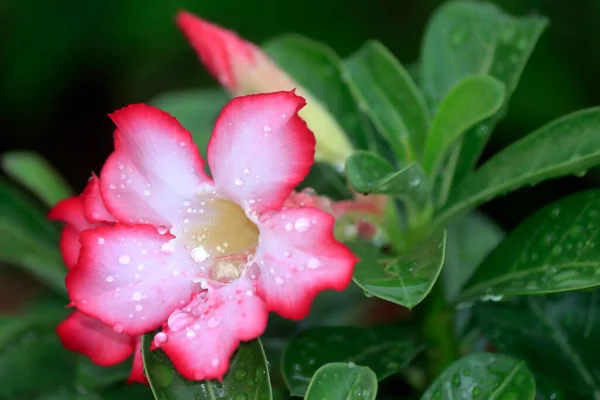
(199, 254)
(302, 224)
(118, 328)
(267, 128)
(239, 182)
(124, 259)
(289, 227)
(137, 296)
(279, 281)
(313, 263)
(160, 338)
(213, 322)
(109, 278)
(179, 320)
(100, 241)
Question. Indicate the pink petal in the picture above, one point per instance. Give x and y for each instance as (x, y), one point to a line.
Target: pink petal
(69, 246)
(298, 258)
(137, 369)
(70, 210)
(93, 205)
(239, 65)
(87, 335)
(124, 278)
(260, 149)
(154, 169)
(220, 320)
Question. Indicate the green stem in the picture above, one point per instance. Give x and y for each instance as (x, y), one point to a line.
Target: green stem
(439, 332)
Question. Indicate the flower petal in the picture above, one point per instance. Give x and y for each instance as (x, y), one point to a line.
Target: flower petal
(239, 65)
(154, 169)
(69, 246)
(218, 321)
(93, 205)
(124, 278)
(83, 334)
(70, 211)
(298, 258)
(137, 369)
(260, 149)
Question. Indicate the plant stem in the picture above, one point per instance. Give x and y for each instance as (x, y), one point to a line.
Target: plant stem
(439, 332)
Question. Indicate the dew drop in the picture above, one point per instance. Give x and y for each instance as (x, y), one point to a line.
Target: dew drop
(160, 338)
(162, 229)
(240, 375)
(313, 263)
(289, 227)
(137, 296)
(166, 248)
(199, 254)
(139, 307)
(239, 182)
(302, 225)
(109, 278)
(179, 320)
(267, 128)
(147, 192)
(124, 259)
(100, 241)
(213, 322)
(118, 328)
(190, 334)
(279, 281)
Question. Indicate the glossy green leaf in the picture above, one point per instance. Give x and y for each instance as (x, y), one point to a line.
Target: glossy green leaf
(556, 334)
(468, 37)
(405, 280)
(370, 174)
(36, 174)
(342, 381)
(391, 98)
(483, 376)
(467, 103)
(569, 145)
(470, 240)
(248, 376)
(29, 240)
(197, 110)
(554, 250)
(32, 356)
(320, 71)
(326, 181)
(385, 350)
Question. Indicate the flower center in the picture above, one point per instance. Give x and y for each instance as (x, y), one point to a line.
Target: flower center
(220, 238)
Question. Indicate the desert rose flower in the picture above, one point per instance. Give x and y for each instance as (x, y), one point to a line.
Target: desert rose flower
(243, 68)
(204, 258)
(79, 332)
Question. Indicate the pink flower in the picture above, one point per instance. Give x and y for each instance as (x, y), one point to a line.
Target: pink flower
(204, 258)
(79, 332)
(243, 68)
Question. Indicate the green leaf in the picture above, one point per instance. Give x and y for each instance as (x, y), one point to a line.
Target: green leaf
(557, 335)
(389, 96)
(32, 356)
(470, 240)
(468, 37)
(469, 102)
(341, 381)
(483, 376)
(196, 109)
(554, 250)
(385, 350)
(28, 239)
(569, 145)
(326, 181)
(405, 280)
(93, 376)
(36, 174)
(248, 375)
(320, 71)
(369, 174)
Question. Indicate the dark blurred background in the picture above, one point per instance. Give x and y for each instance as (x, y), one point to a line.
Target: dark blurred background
(67, 63)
